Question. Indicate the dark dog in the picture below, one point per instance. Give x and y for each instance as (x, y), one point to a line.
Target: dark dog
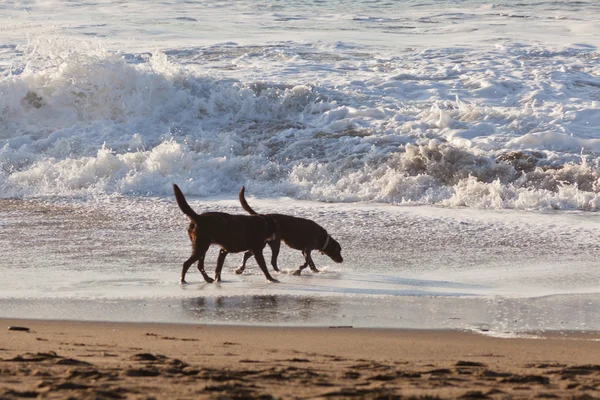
(298, 233)
(234, 233)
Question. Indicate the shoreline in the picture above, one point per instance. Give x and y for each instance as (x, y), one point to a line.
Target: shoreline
(57, 359)
(564, 334)
(279, 306)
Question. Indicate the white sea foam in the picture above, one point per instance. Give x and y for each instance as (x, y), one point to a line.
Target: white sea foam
(507, 120)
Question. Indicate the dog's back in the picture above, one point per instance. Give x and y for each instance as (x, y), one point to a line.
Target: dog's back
(234, 232)
(298, 233)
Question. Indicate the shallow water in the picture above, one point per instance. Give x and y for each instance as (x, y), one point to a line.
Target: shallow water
(404, 267)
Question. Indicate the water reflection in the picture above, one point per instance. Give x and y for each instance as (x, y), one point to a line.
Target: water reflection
(262, 308)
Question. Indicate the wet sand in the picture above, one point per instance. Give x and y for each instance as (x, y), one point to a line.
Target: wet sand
(60, 359)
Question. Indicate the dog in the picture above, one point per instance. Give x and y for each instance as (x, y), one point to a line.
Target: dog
(298, 233)
(234, 233)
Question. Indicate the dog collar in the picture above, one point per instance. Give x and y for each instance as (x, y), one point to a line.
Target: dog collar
(326, 243)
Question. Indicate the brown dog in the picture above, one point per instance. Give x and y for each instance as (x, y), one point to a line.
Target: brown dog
(234, 233)
(298, 233)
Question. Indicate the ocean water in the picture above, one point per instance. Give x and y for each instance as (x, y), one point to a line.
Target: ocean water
(450, 146)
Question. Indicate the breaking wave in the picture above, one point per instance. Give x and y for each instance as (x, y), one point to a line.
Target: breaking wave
(78, 120)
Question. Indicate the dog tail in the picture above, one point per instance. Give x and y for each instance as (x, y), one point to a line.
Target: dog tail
(244, 203)
(182, 203)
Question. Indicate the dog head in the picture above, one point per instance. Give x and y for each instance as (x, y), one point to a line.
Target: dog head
(333, 250)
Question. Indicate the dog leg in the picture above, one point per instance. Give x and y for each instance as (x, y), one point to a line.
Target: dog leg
(186, 265)
(275, 245)
(306, 255)
(207, 278)
(220, 260)
(298, 272)
(242, 267)
(202, 249)
(311, 263)
(263, 266)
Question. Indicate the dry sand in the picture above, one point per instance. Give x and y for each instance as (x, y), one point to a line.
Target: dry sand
(60, 359)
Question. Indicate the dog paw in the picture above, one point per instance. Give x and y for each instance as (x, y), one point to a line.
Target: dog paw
(182, 282)
(239, 271)
(297, 272)
(209, 280)
(274, 281)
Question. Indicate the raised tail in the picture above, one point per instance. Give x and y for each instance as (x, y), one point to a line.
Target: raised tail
(244, 203)
(182, 203)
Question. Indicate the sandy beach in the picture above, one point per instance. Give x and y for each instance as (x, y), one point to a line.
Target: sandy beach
(61, 359)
